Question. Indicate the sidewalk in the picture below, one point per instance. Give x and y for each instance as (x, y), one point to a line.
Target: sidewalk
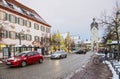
(106, 70)
(92, 71)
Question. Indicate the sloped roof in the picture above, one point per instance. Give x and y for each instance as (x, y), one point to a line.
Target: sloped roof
(24, 10)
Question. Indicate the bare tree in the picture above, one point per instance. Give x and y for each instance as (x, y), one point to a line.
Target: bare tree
(112, 24)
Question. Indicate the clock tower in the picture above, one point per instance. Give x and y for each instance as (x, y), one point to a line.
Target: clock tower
(94, 35)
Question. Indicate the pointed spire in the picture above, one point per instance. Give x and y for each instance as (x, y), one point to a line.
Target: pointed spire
(93, 19)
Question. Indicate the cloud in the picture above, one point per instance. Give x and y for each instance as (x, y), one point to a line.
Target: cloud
(70, 16)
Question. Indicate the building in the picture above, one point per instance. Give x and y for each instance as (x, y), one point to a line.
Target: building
(94, 35)
(22, 25)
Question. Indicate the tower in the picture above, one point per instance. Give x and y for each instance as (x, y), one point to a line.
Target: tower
(94, 35)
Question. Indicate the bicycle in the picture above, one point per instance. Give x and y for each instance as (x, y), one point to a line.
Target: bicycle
(97, 60)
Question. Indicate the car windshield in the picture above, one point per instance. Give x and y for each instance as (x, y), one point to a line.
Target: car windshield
(21, 54)
(57, 52)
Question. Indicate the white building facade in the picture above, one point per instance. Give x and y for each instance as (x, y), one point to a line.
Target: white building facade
(21, 25)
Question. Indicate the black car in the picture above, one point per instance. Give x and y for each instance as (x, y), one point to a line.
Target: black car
(80, 52)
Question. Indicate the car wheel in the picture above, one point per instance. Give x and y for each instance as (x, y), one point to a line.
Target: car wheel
(40, 61)
(23, 64)
(60, 57)
(65, 56)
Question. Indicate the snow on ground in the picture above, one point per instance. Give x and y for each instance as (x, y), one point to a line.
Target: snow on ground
(115, 76)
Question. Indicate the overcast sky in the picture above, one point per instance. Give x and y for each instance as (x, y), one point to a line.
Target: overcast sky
(74, 16)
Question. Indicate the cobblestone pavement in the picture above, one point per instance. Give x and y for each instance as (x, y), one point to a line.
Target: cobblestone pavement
(92, 71)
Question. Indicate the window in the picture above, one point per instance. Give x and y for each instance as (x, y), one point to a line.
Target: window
(22, 36)
(36, 38)
(20, 21)
(27, 23)
(2, 15)
(30, 54)
(32, 15)
(12, 18)
(17, 35)
(28, 37)
(4, 34)
(36, 26)
(6, 16)
(42, 28)
(47, 30)
(10, 5)
(24, 11)
(12, 35)
(35, 53)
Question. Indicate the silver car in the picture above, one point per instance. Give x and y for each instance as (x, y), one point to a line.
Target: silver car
(59, 54)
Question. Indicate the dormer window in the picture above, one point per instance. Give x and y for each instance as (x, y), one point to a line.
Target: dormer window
(24, 11)
(10, 5)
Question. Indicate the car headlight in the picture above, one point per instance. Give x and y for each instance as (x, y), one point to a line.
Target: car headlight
(17, 59)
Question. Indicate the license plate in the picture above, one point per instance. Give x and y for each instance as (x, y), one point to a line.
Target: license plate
(8, 62)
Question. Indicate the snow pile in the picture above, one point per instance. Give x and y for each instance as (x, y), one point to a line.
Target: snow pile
(115, 76)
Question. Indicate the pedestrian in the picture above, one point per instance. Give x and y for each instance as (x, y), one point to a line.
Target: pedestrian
(106, 53)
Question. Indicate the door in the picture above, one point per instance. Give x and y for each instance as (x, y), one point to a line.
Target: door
(30, 58)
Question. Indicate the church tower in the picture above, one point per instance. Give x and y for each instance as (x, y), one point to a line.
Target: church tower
(94, 35)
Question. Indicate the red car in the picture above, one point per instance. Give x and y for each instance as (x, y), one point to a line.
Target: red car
(24, 58)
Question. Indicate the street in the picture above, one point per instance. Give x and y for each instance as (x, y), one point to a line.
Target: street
(49, 69)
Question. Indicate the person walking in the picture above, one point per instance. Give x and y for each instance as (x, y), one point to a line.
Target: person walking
(106, 53)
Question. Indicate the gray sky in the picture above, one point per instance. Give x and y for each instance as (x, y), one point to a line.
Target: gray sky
(74, 16)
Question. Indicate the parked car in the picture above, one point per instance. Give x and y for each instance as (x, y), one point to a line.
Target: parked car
(59, 54)
(25, 58)
(80, 52)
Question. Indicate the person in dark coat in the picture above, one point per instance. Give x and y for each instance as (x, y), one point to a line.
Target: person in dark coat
(106, 52)
(43, 51)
